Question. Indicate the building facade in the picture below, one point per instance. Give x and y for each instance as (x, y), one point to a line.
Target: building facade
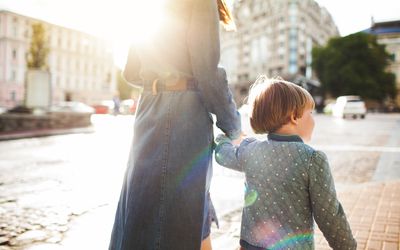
(275, 38)
(81, 65)
(388, 33)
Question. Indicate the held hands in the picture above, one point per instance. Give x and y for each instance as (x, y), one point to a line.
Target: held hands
(237, 141)
(222, 138)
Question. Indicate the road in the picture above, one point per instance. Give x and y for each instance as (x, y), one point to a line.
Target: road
(60, 192)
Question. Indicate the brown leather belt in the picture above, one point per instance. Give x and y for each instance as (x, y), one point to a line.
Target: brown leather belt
(157, 85)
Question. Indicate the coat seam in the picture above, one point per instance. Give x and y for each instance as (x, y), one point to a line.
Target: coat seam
(162, 211)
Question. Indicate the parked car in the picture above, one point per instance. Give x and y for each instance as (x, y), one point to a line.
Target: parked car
(104, 107)
(72, 107)
(128, 107)
(352, 106)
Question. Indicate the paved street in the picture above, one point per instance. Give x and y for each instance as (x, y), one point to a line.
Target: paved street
(60, 192)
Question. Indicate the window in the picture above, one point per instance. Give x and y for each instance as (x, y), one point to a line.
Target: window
(15, 27)
(255, 51)
(77, 44)
(13, 96)
(71, 64)
(14, 54)
(243, 77)
(27, 29)
(292, 68)
(13, 75)
(108, 78)
(58, 63)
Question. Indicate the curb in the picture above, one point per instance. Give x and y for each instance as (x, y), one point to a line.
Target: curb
(44, 132)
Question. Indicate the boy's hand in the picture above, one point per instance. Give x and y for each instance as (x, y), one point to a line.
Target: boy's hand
(239, 140)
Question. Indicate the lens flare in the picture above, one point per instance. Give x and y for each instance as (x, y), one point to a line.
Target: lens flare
(293, 240)
(192, 168)
(273, 234)
(250, 197)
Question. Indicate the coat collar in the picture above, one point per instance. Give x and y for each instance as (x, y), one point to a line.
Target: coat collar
(287, 138)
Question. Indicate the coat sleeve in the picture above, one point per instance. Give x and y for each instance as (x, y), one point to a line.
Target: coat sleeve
(327, 210)
(204, 52)
(131, 72)
(226, 154)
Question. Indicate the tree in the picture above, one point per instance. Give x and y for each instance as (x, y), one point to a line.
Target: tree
(39, 48)
(354, 65)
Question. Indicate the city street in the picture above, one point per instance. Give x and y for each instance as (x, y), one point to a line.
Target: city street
(60, 192)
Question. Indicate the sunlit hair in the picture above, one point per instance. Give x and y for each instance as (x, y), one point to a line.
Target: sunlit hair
(225, 16)
(273, 101)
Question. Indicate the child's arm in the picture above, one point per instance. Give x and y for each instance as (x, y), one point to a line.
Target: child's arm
(327, 210)
(226, 154)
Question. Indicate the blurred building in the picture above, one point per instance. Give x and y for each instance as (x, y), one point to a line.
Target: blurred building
(80, 64)
(388, 33)
(274, 37)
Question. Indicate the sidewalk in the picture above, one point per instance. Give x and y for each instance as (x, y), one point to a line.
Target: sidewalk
(373, 210)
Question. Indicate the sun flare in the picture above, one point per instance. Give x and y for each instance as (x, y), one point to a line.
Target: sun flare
(133, 22)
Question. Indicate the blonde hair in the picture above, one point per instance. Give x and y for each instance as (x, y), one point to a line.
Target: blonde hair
(273, 102)
(225, 16)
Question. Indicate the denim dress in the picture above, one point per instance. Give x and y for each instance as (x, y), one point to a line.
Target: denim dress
(164, 201)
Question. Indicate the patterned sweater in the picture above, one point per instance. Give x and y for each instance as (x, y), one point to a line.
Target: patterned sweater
(288, 185)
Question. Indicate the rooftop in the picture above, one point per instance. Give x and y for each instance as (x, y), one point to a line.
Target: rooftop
(387, 27)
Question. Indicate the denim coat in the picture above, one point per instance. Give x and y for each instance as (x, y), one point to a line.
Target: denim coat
(164, 201)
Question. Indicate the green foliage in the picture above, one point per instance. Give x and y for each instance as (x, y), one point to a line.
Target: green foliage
(354, 65)
(39, 49)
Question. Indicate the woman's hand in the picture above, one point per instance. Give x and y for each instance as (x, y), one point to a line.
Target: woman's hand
(239, 140)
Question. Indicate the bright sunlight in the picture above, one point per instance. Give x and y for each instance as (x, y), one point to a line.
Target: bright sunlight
(132, 22)
(123, 22)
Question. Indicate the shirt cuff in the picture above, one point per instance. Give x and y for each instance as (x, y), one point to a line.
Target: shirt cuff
(222, 139)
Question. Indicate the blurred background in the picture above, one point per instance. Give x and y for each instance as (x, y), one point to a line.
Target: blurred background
(67, 115)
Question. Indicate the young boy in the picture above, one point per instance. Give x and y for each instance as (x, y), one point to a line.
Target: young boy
(288, 183)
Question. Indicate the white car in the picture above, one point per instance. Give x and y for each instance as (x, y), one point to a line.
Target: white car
(350, 105)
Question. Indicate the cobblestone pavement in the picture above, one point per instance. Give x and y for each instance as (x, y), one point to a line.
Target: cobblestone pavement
(60, 192)
(373, 210)
(48, 184)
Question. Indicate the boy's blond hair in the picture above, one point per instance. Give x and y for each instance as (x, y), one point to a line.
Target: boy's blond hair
(273, 101)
